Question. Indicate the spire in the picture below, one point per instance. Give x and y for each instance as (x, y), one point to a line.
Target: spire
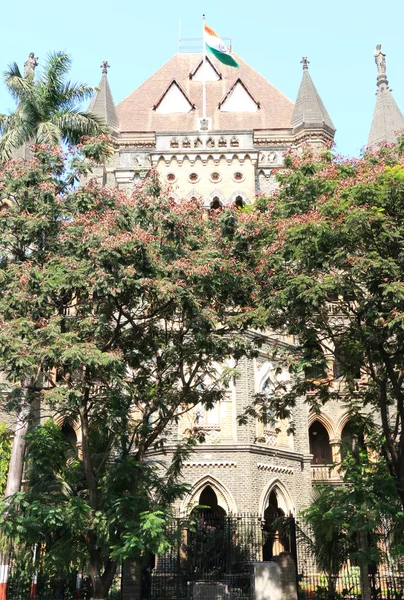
(309, 111)
(387, 117)
(102, 103)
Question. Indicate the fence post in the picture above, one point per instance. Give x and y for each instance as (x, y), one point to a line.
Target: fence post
(34, 581)
(4, 566)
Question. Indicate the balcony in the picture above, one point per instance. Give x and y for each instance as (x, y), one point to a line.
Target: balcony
(325, 473)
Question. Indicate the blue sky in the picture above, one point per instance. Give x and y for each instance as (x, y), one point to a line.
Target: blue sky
(137, 37)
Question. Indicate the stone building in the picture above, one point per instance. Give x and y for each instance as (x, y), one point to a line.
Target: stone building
(230, 157)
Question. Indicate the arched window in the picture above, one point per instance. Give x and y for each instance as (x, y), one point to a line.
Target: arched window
(315, 366)
(267, 408)
(320, 444)
(216, 204)
(239, 202)
(352, 438)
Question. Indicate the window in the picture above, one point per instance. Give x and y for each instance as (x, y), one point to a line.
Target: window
(238, 176)
(171, 177)
(216, 204)
(193, 177)
(239, 202)
(268, 413)
(315, 366)
(319, 444)
(215, 176)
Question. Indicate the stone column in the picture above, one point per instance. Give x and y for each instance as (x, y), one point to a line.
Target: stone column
(275, 579)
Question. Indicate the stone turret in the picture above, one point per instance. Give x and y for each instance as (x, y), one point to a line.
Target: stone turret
(310, 114)
(102, 104)
(388, 120)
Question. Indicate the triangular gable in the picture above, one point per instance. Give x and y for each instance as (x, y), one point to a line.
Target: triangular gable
(239, 99)
(173, 100)
(207, 72)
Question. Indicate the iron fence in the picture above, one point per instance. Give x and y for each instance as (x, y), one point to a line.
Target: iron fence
(383, 580)
(210, 556)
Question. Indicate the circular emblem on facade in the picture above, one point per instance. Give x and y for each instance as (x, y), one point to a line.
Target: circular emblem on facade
(238, 176)
(171, 177)
(215, 177)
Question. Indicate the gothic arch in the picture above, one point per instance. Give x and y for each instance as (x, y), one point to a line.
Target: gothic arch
(193, 194)
(234, 195)
(283, 497)
(266, 371)
(173, 196)
(341, 424)
(224, 497)
(60, 420)
(324, 420)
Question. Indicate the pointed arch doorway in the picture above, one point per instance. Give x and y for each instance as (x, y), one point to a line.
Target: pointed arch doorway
(275, 540)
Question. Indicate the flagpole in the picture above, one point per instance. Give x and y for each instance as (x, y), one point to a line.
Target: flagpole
(204, 69)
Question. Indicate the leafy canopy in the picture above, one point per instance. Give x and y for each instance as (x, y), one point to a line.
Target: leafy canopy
(47, 108)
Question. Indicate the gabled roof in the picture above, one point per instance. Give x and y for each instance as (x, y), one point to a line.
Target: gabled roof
(136, 112)
(175, 83)
(229, 93)
(102, 103)
(199, 65)
(309, 111)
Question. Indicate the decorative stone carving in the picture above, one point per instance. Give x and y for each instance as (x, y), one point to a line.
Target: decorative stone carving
(186, 143)
(222, 142)
(380, 60)
(211, 433)
(270, 437)
(104, 67)
(174, 143)
(210, 143)
(234, 142)
(30, 64)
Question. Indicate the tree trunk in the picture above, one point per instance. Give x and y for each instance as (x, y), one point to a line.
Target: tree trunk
(364, 570)
(16, 467)
(14, 479)
(101, 583)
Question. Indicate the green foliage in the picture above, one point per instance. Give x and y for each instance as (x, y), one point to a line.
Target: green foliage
(5, 452)
(335, 258)
(48, 108)
(117, 308)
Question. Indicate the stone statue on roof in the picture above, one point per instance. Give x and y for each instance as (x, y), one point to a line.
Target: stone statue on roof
(30, 64)
(380, 60)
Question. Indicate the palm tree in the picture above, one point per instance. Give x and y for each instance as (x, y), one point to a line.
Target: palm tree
(48, 108)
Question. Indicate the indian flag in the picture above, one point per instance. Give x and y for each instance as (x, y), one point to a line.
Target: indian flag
(215, 45)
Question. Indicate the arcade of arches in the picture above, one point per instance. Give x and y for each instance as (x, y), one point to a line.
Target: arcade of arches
(274, 542)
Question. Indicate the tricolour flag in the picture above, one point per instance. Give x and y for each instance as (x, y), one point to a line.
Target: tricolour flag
(215, 45)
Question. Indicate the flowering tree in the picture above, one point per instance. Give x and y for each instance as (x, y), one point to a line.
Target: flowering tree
(114, 308)
(336, 265)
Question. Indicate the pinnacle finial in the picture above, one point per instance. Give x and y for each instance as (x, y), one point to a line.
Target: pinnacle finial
(380, 60)
(305, 62)
(104, 67)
